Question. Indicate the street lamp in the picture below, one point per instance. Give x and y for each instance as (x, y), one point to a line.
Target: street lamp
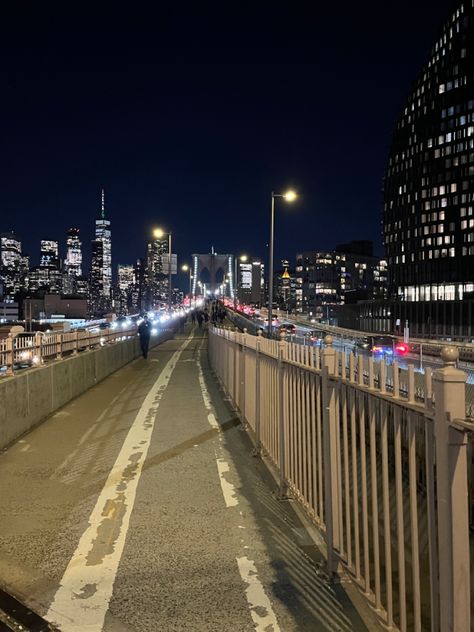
(289, 196)
(159, 233)
(185, 268)
(242, 258)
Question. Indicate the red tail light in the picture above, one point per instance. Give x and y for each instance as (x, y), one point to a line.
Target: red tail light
(401, 348)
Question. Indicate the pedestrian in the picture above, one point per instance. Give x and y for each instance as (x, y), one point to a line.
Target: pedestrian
(144, 331)
(193, 317)
(206, 315)
(199, 318)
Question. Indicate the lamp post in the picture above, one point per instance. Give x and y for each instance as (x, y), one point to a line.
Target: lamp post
(289, 196)
(242, 258)
(158, 233)
(185, 268)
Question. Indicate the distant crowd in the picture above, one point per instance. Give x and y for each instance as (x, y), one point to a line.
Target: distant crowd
(213, 312)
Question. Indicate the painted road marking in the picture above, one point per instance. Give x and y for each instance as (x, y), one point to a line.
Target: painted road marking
(82, 600)
(260, 605)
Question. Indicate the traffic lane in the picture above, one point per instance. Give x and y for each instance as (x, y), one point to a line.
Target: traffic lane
(50, 478)
(178, 570)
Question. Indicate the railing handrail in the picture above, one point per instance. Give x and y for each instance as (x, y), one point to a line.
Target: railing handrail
(35, 347)
(375, 470)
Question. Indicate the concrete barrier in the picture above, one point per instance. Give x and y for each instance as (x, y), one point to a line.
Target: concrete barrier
(28, 398)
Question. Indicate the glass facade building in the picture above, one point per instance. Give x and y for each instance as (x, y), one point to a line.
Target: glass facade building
(428, 215)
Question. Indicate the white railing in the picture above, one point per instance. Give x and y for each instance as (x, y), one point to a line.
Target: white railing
(33, 349)
(381, 467)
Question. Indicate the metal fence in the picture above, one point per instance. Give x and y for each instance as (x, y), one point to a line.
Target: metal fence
(381, 467)
(32, 349)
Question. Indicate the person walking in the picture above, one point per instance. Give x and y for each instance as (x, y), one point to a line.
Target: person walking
(144, 331)
(200, 318)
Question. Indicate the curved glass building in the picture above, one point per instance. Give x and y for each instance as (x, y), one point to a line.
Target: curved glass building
(428, 216)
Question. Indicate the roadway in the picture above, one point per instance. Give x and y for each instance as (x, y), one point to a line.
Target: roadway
(349, 345)
(138, 507)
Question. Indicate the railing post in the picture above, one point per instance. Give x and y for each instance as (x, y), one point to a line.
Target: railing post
(257, 451)
(242, 385)
(39, 346)
(451, 483)
(331, 461)
(282, 349)
(10, 354)
(59, 346)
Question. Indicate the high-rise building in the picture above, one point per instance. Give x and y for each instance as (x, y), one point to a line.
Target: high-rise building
(103, 234)
(10, 263)
(138, 293)
(157, 268)
(125, 285)
(126, 276)
(428, 217)
(100, 292)
(48, 276)
(49, 257)
(429, 186)
(250, 282)
(73, 262)
(96, 284)
(335, 277)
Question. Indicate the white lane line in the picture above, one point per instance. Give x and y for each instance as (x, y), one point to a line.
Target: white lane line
(228, 489)
(260, 605)
(82, 600)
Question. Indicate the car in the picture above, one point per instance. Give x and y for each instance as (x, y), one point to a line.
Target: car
(313, 335)
(287, 329)
(382, 345)
(364, 343)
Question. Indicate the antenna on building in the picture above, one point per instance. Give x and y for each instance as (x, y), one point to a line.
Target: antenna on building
(103, 204)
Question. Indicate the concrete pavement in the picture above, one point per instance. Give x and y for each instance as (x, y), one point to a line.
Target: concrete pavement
(138, 506)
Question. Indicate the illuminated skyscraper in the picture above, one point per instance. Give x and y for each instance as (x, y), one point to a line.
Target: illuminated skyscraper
(49, 257)
(100, 296)
(10, 262)
(157, 268)
(73, 262)
(125, 286)
(103, 234)
(429, 185)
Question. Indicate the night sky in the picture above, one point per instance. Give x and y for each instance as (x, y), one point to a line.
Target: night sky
(190, 117)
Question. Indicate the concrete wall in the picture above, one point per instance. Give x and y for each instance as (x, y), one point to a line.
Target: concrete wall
(27, 398)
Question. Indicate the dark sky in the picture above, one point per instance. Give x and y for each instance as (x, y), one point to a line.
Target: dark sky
(190, 117)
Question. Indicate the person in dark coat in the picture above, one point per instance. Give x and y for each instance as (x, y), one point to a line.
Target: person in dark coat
(200, 318)
(144, 331)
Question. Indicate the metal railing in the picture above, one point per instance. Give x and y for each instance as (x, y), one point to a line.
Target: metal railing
(33, 349)
(380, 467)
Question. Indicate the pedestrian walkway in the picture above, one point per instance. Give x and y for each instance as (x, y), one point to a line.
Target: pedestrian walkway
(139, 507)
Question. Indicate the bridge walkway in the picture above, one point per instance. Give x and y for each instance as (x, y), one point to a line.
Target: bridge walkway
(138, 507)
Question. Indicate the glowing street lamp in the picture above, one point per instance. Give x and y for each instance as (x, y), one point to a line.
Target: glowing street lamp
(186, 268)
(289, 196)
